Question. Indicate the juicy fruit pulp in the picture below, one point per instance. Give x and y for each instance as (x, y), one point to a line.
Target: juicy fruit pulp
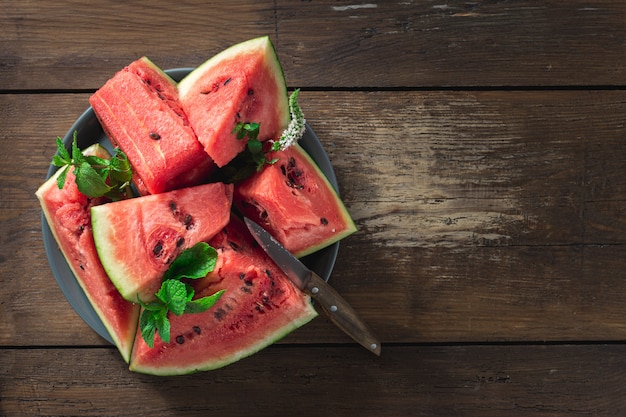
(68, 214)
(244, 83)
(140, 112)
(260, 306)
(295, 202)
(138, 239)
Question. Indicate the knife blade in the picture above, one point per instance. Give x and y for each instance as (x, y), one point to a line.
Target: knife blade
(332, 304)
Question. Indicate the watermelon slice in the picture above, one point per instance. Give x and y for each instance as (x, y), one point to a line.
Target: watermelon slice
(295, 202)
(68, 213)
(260, 306)
(138, 239)
(244, 83)
(140, 112)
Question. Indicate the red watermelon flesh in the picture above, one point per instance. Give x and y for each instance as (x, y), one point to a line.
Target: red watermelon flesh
(138, 239)
(68, 213)
(295, 202)
(140, 112)
(244, 83)
(260, 306)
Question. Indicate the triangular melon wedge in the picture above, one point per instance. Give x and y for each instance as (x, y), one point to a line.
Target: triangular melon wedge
(138, 239)
(243, 83)
(67, 211)
(259, 306)
(295, 202)
(139, 110)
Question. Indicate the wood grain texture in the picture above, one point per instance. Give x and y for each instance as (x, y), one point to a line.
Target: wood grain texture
(499, 218)
(458, 43)
(322, 43)
(480, 147)
(406, 381)
(58, 38)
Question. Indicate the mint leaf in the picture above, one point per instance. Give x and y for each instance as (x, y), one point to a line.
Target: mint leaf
(173, 294)
(64, 155)
(162, 324)
(121, 170)
(147, 323)
(249, 129)
(194, 262)
(77, 155)
(58, 161)
(89, 181)
(254, 146)
(95, 177)
(61, 177)
(96, 161)
(201, 305)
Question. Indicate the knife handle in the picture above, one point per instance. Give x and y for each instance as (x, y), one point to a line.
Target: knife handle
(341, 313)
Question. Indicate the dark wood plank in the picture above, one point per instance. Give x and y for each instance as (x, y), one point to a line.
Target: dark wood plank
(323, 43)
(458, 43)
(58, 38)
(482, 216)
(416, 381)
(485, 168)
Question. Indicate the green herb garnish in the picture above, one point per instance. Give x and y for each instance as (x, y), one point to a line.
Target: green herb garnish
(254, 145)
(251, 130)
(296, 127)
(95, 177)
(176, 296)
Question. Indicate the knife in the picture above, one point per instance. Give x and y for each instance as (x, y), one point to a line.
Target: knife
(334, 306)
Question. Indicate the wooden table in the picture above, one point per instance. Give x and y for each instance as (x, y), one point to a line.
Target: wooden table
(480, 148)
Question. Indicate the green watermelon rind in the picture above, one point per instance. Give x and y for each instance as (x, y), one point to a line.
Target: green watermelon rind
(303, 318)
(99, 151)
(158, 70)
(120, 276)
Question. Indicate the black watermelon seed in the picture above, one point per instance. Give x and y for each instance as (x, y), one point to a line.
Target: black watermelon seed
(219, 313)
(155, 136)
(324, 221)
(180, 339)
(158, 249)
(188, 221)
(197, 329)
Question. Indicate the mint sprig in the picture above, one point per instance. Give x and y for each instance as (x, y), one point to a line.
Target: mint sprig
(254, 145)
(95, 177)
(176, 296)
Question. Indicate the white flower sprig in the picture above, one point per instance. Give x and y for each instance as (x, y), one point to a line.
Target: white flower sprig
(296, 127)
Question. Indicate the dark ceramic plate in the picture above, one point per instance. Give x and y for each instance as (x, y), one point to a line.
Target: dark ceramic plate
(89, 132)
